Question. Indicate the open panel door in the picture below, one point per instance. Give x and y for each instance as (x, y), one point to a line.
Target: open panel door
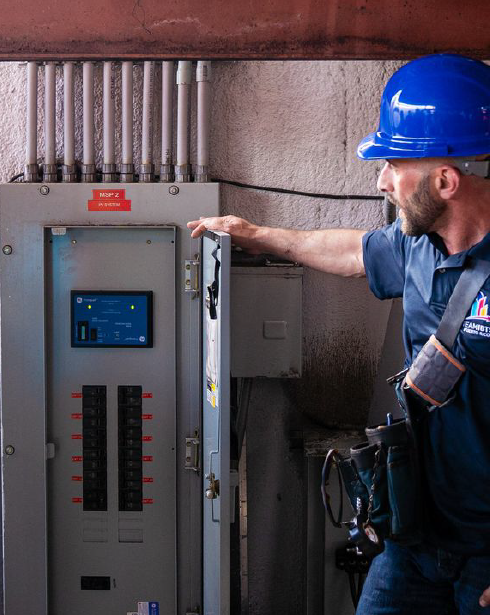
(216, 422)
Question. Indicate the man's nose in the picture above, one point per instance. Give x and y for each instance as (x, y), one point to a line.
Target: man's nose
(384, 179)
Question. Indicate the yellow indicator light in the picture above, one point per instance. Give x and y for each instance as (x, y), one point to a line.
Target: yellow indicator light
(132, 307)
(89, 307)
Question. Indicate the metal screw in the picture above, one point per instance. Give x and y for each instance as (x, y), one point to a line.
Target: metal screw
(188, 267)
(174, 190)
(74, 241)
(7, 250)
(9, 450)
(148, 241)
(44, 190)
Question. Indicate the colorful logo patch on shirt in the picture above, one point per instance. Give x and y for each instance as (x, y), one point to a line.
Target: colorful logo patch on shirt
(478, 322)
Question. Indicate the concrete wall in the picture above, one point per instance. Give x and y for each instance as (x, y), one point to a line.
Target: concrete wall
(293, 125)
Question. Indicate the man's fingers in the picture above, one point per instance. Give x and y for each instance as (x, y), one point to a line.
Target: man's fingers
(485, 598)
(198, 231)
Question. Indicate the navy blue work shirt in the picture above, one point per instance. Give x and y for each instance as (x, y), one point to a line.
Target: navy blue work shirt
(457, 454)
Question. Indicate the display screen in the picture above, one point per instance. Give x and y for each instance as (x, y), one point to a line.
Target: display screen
(114, 319)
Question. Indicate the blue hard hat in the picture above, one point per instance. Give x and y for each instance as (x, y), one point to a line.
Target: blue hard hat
(435, 106)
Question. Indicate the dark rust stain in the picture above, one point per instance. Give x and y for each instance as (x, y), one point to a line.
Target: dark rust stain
(338, 380)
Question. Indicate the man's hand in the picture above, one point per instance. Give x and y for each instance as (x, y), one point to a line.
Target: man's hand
(243, 233)
(485, 598)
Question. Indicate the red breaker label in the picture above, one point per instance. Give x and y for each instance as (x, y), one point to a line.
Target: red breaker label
(109, 200)
(147, 479)
(147, 438)
(147, 457)
(77, 500)
(77, 415)
(147, 500)
(77, 458)
(147, 396)
(77, 479)
(76, 395)
(76, 436)
(147, 417)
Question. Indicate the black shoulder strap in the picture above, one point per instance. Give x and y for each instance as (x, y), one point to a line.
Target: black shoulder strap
(464, 293)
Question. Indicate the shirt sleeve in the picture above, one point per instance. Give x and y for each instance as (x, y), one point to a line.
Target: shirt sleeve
(384, 261)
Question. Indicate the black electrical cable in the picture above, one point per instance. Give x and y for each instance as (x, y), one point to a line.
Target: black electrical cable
(314, 195)
(15, 178)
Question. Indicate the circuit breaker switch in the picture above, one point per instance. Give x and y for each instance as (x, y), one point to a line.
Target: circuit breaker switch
(130, 402)
(94, 413)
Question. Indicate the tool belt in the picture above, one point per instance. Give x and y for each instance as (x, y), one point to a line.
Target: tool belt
(384, 475)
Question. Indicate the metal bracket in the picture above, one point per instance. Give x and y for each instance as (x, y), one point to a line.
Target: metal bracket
(480, 168)
(191, 282)
(192, 453)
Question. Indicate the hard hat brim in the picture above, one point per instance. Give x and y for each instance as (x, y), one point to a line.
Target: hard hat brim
(375, 147)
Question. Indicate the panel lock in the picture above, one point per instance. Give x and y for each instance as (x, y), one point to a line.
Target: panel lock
(212, 492)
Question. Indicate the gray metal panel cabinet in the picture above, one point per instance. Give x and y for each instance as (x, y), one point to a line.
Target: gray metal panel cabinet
(266, 319)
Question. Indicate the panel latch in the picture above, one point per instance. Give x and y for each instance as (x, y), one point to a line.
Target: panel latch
(212, 491)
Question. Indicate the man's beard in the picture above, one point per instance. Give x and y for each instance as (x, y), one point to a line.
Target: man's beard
(420, 210)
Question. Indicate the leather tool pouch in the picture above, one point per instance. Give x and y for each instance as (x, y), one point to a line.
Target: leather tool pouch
(434, 373)
(382, 474)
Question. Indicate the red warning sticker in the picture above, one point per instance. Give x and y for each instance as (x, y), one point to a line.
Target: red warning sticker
(76, 395)
(147, 396)
(76, 436)
(147, 479)
(77, 415)
(77, 500)
(147, 457)
(109, 200)
(77, 458)
(147, 438)
(77, 479)
(147, 417)
(147, 500)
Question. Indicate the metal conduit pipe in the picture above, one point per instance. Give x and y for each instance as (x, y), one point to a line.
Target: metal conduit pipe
(88, 165)
(146, 167)
(49, 166)
(31, 170)
(109, 160)
(69, 167)
(127, 165)
(203, 78)
(184, 79)
(166, 169)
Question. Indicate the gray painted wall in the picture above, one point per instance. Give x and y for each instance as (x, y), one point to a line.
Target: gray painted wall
(294, 125)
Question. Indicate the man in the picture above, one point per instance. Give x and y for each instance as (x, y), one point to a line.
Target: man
(434, 134)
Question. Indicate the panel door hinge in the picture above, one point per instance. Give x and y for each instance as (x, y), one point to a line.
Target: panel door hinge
(191, 276)
(192, 453)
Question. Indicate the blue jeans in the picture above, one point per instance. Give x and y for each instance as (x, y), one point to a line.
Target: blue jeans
(423, 580)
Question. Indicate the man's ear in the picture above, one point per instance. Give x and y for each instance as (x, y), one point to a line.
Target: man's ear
(446, 181)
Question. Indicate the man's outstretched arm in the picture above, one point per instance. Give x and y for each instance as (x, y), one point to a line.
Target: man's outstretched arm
(337, 251)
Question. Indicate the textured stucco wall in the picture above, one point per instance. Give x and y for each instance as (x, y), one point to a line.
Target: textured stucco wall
(294, 125)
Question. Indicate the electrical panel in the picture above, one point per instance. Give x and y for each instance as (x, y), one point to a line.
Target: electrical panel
(101, 389)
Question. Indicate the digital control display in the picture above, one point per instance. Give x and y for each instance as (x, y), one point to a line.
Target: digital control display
(111, 319)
